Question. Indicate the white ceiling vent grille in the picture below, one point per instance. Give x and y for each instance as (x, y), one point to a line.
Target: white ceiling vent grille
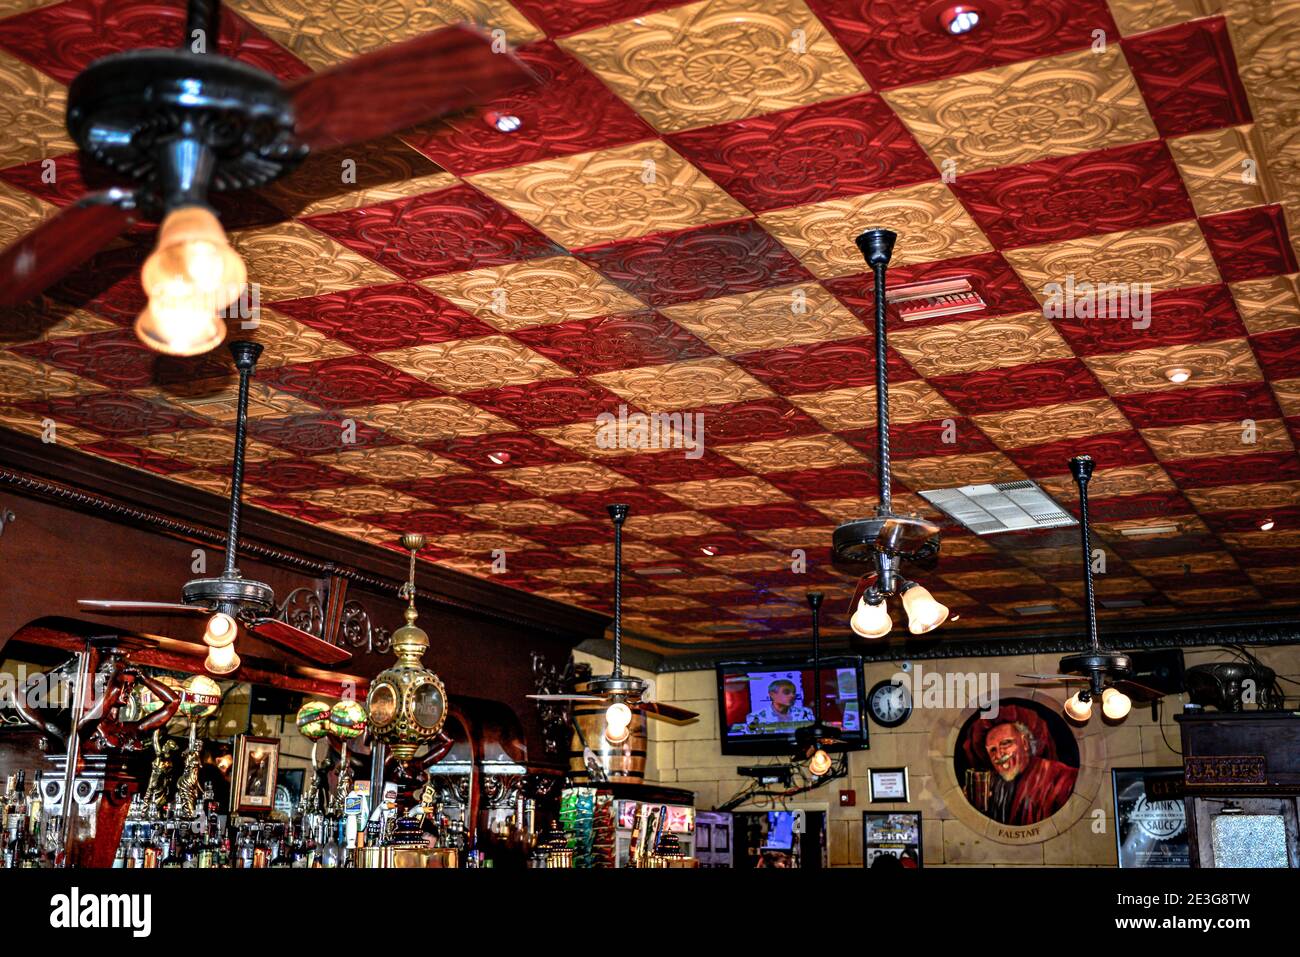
(1004, 507)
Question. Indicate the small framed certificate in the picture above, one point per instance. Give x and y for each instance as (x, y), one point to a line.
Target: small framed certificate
(888, 785)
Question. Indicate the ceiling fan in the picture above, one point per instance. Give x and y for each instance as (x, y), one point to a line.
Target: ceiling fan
(1104, 673)
(230, 600)
(622, 692)
(180, 123)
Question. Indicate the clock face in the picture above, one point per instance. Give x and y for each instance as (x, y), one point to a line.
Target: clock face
(890, 704)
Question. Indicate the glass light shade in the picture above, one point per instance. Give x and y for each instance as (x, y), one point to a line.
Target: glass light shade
(179, 332)
(871, 621)
(221, 661)
(1077, 708)
(618, 722)
(923, 612)
(1115, 704)
(221, 631)
(820, 763)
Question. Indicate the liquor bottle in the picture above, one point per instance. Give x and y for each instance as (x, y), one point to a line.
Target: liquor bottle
(261, 852)
(281, 856)
(136, 852)
(151, 848)
(171, 857)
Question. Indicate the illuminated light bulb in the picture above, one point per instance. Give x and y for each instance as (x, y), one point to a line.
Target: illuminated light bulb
(960, 19)
(1266, 525)
(820, 763)
(192, 275)
(923, 612)
(222, 660)
(618, 721)
(1115, 704)
(1078, 708)
(221, 631)
(871, 621)
(1178, 374)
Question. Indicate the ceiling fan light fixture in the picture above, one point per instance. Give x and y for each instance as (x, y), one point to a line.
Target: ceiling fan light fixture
(820, 763)
(1115, 704)
(618, 722)
(924, 613)
(221, 660)
(871, 621)
(221, 631)
(1079, 706)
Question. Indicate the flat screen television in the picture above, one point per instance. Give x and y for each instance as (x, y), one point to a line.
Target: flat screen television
(761, 705)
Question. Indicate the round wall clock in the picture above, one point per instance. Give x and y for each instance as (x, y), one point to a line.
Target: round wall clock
(890, 704)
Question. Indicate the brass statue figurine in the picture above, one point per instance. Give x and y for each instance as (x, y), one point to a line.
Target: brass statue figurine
(155, 795)
(187, 788)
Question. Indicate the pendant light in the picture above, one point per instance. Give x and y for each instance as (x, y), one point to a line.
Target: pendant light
(886, 539)
(819, 737)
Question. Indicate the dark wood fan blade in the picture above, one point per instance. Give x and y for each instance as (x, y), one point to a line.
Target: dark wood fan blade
(299, 641)
(1136, 691)
(1053, 677)
(146, 606)
(669, 711)
(565, 697)
(56, 247)
(402, 85)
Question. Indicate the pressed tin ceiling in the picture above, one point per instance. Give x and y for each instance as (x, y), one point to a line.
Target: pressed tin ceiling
(671, 230)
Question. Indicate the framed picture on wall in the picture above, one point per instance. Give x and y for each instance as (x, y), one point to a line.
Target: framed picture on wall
(888, 785)
(891, 839)
(253, 775)
(1150, 817)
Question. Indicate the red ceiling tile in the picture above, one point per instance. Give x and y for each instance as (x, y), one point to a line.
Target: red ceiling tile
(1278, 353)
(975, 562)
(317, 433)
(1018, 387)
(1217, 403)
(703, 262)
(808, 154)
(63, 39)
(1177, 317)
(1188, 76)
(1146, 505)
(107, 283)
(772, 515)
(718, 543)
(570, 111)
(1247, 520)
(655, 468)
(514, 449)
(299, 508)
(427, 521)
(1234, 469)
(449, 230)
(1250, 243)
(1053, 200)
(137, 457)
(572, 534)
(558, 17)
(641, 501)
(294, 475)
(114, 414)
(822, 366)
(910, 440)
(610, 343)
(1193, 543)
(448, 490)
(119, 361)
(348, 381)
(1111, 450)
(532, 559)
(1265, 558)
(894, 43)
(990, 275)
(842, 481)
(1017, 593)
(547, 402)
(755, 420)
(378, 318)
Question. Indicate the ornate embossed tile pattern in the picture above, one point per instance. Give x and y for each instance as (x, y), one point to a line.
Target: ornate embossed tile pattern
(650, 292)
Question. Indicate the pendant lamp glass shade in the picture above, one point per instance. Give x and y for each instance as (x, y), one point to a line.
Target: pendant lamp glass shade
(221, 631)
(1078, 708)
(618, 722)
(820, 763)
(923, 612)
(221, 661)
(871, 621)
(1115, 704)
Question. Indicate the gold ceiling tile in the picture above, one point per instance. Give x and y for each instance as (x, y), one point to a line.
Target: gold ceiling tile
(660, 603)
(428, 420)
(608, 195)
(635, 553)
(390, 463)
(1108, 483)
(930, 221)
(43, 318)
(753, 562)
(963, 545)
(1184, 525)
(791, 609)
(217, 399)
(1214, 168)
(834, 593)
(798, 452)
(693, 584)
(30, 423)
(534, 293)
(1056, 106)
(534, 511)
(287, 340)
(573, 576)
(484, 544)
(581, 438)
(1139, 16)
(950, 471)
(718, 61)
(1064, 606)
(568, 596)
(1192, 563)
(955, 347)
(815, 536)
(1267, 577)
(721, 492)
(565, 477)
(1211, 363)
(841, 410)
(1213, 596)
(1276, 538)
(1253, 496)
(218, 483)
(683, 385)
(32, 107)
(1165, 257)
(292, 261)
(839, 509)
(1047, 423)
(1287, 392)
(767, 319)
(481, 363)
(1268, 304)
(674, 525)
(355, 500)
(206, 448)
(1041, 559)
(20, 213)
(1105, 585)
(990, 578)
(324, 32)
(1218, 438)
(23, 379)
(362, 531)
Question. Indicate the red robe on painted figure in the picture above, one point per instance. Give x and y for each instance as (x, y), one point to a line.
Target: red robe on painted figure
(1037, 793)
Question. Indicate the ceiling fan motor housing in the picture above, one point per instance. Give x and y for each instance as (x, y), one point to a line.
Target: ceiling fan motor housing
(230, 594)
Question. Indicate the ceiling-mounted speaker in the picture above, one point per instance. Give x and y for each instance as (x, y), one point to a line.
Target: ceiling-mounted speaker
(1160, 670)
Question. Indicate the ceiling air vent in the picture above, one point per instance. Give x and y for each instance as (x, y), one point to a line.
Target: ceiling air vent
(1004, 507)
(1045, 609)
(1121, 602)
(933, 298)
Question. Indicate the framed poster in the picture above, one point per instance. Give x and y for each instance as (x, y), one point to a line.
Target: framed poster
(1150, 817)
(253, 776)
(891, 839)
(888, 785)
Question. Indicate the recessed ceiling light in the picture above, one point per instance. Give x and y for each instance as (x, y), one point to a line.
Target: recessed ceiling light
(960, 18)
(954, 617)
(504, 122)
(1266, 525)
(498, 458)
(1178, 374)
(709, 550)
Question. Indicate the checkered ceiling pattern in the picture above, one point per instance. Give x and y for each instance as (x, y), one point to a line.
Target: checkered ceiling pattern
(446, 313)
